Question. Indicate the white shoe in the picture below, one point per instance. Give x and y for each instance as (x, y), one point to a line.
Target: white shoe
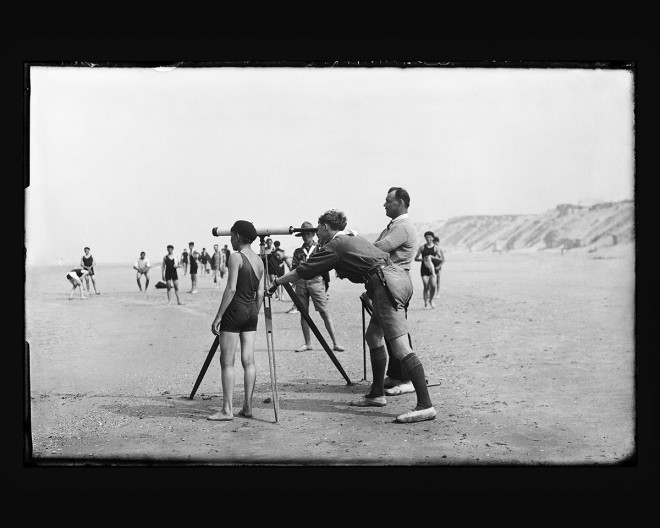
(417, 416)
(304, 348)
(403, 388)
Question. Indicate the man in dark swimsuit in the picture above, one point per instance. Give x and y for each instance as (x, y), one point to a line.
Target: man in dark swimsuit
(237, 318)
(170, 276)
(192, 255)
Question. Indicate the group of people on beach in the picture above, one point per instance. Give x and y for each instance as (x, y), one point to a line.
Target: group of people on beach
(383, 267)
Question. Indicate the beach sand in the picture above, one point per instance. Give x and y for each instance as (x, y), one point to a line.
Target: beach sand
(533, 352)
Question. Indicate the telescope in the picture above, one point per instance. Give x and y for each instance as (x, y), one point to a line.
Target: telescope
(267, 231)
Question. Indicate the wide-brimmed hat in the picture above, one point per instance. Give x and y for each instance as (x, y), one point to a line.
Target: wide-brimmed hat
(305, 225)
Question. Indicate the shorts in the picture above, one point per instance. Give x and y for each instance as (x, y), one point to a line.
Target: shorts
(240, 318)
(73, 276)
(392, 321)
(314, 289)
(171, 275)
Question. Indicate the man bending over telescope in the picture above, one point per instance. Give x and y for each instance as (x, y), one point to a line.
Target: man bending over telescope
(388, 287)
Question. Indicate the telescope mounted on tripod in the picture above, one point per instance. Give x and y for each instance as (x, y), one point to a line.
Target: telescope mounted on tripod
(268, 231)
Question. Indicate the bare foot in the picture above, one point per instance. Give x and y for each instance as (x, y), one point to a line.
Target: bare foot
(245, 414)
(220, 417)
(180, 303)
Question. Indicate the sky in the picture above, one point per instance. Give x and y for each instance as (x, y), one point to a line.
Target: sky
(130, 159)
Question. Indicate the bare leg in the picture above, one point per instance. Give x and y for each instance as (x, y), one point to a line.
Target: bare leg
(331, 329)
(426, 279)
(228, 342)
(93, 284)
(305, 331)
(169, 287)
(146, 285)
(249, 371)
(176, 291)
(137, 278)
(431, 291)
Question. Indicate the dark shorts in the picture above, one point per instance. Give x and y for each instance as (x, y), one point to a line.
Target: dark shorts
(193, 267)
(240, 318)
(425, 271)
(171, 275)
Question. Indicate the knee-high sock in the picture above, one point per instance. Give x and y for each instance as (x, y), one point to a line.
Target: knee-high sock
(416, 372)
(378, 366)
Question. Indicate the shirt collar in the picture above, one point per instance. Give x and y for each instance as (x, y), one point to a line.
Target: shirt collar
(397, 219)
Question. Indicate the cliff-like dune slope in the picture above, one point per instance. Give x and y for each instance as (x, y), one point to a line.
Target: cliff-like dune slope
(566, 226)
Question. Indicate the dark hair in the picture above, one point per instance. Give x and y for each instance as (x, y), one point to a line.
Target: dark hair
(85, 248)
(436, 239)
(401, 194)
(245, 229)
(170, 246)
(334, 218)
(428, 233)
(276, 243)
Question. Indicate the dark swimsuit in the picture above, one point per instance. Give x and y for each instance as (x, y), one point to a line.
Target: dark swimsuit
(170, 270)
(87, 261)
(242, 314)
(193, 265)
(425, 253)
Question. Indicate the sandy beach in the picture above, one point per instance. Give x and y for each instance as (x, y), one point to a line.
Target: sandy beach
(531, 354)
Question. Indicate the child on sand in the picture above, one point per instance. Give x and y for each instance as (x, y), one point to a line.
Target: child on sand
(237, 318)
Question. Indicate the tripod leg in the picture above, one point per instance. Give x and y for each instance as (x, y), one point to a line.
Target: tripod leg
(314, 328)
(364, 345)
(271, 356)
(209, 357)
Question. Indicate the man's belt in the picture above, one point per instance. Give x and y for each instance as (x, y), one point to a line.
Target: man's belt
(377, 271)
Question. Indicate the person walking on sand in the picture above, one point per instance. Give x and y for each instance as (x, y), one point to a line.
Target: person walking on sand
(192, 256)
(142, 265)
(438, 261)
(170, 276)
(218, 264)
(75, 277)
(237, 318)
(399, 239)
(87, 263)
(315, 288)
(424, 254)
(389, 288)
(184, 261)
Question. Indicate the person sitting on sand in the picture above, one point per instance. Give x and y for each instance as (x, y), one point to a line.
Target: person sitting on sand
(170, 276)
(237, 318)
(142, 265)
(75, 277)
